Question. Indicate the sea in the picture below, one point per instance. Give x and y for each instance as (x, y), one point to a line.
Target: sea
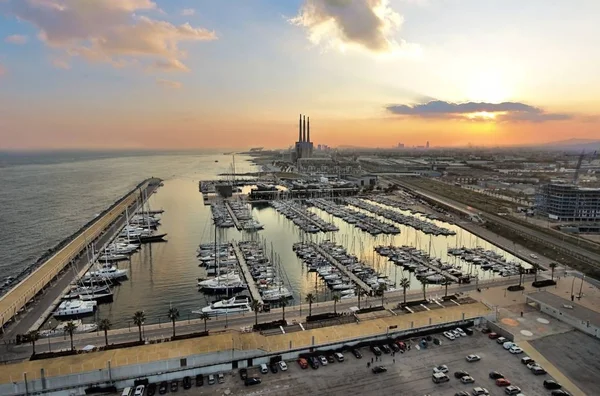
(45, 197)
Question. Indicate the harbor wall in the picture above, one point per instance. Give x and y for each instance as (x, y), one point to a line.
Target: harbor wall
(205, 364)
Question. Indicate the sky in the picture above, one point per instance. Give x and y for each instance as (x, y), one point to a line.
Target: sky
(179, 74)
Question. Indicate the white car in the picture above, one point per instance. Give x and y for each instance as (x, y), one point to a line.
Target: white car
(533, 256)
(282, 365)
(460, 331)
(501, 340)
(323, 360)
(456, 333)
(515, 350)
(479, 391)
(441, 369)
(449, 335)
(139, 390)
(508, 345)
(467, 379)
(473, 358)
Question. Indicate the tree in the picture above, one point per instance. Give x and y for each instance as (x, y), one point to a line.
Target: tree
(255, 305)
(404, 284)
(310, 299)
(381, 290)
(205, 317)
(138, 319)
(359, 292)
(521, 273)
(70, 328)
(33, 335)
(173, 316)
(446, 282)
(283, 302)
(536, 268)
(336, 299)
(105, 325)
(552, 267)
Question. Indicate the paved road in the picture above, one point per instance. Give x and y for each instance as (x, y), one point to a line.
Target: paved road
(296, 313)
(592, 258)
(26, 319)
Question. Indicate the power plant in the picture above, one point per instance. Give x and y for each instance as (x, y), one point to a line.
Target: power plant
(304, 146)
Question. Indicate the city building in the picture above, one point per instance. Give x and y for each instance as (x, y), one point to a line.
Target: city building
(427, 145)
(303, 147)
(568, 202)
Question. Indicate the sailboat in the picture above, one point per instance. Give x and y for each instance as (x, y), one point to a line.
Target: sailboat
(231, 282)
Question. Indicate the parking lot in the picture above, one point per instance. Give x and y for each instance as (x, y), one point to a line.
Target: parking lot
(409, 375)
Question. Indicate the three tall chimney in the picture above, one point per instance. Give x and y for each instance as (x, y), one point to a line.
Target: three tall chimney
(303, 129)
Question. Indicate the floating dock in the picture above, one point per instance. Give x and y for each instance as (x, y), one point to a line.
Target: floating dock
(247, 275)
(342, 268)
(236, 221)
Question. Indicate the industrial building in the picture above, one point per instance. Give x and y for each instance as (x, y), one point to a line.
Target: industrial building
(568, 202)
(303, 147)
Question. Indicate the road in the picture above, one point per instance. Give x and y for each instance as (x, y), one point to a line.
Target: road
(14, 353)
(27, 318)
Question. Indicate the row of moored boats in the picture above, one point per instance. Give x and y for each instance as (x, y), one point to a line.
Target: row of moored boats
(487, 260)
(299, 215)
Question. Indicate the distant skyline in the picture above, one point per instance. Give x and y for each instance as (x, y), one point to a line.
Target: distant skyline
(183, 74)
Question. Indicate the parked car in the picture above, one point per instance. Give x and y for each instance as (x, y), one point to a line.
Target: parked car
(515, 350)
(323, 360)
(537, 370)
(162, 388)
(199, 380)
(493, 336)
(174, 386)
(473, 358)
(313, 362)
(502, 382)
(252, 381)
(386, 349)
(560, 392)
(486, 330)
(330, 359)
(357, 353)
(460, 374)
(339, 356)
(394, 347)
(449, 335)
(211, 379)
(439, 377)
(508, 344)
(220, 378)
(467, 379)
(512, 390)
(495, 375)
(264, 369)
(283, 365)
(151, 391)
(550, 384)
(462, 393)
(303, 363)
(273, 368)
(468, 330)
(527, 360)
(376, 350)
(379, 370)
(187, 382)
(501, 340)
(244, 374)
(139, 390)
(440, 369)
(460, 331)
(479, 391)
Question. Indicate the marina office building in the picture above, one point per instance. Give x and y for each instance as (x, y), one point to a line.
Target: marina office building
(568, 202)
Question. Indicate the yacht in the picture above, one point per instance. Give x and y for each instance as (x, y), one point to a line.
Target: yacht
(78, 291)
(75, 308)
(228, 283)
(107, 272)
(60, 329)
(234, 305)
(276, 293)
(113, 257)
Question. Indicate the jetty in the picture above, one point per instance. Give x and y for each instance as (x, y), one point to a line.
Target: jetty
(247, 275)
(342, 268)
(236, 221)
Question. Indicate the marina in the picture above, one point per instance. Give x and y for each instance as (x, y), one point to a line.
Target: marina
(242, 217)
(247, 275)
(307, 221)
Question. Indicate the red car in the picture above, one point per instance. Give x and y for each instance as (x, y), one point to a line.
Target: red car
(493, 336)
(502, 382)
(303, 363)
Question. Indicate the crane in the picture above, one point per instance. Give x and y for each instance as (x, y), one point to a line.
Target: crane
(578, 166)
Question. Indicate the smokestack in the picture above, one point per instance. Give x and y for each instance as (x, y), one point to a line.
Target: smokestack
(304, 129)
(308, 130)
(300, 128)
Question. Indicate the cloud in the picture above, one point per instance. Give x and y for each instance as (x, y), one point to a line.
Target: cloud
(367, 24)
(17, 39)
(188, 12)
(505, 111)
(168, 65)
(111, 31)
(169, 83)
(61, 64)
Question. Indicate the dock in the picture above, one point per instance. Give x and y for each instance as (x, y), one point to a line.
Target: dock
(247, 276)
(342, 268)
(40, 285)
(434, 268)
(236, 221)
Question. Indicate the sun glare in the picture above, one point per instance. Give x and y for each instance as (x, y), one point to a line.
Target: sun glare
(488, 86)
(482, 115)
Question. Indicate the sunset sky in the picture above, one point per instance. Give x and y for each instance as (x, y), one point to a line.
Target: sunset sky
(211, 73)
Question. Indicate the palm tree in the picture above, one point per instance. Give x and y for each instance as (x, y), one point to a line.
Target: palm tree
(205, 317)
(70, 328)
(536, 268)
(255, 305)
(33, 335)
(424, 291)
(359, 292)
(336, 298)
(381, 289)
(283, 303)
(310, 299)
(404, 284)
(138, 319)
(446, 282)
(552, 267)
(521, 273)
(173, 316)
(105, 325)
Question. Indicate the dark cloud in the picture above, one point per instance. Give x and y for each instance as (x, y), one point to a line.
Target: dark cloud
(509, 111)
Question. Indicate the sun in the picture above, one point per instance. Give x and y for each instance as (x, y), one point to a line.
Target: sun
(488, 86)
(482, 115)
